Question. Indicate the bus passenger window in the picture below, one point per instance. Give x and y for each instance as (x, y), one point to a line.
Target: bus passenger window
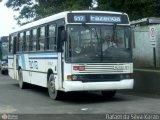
(17, 45)
(52, 37)
(27, 40)
(21, 42)
(41, 39)
(11, 44)
(34, 39)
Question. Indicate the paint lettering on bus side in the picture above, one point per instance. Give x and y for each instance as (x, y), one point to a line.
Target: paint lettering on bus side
(33, 64)
(50, 63)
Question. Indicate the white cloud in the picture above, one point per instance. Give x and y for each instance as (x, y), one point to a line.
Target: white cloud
(7, 22)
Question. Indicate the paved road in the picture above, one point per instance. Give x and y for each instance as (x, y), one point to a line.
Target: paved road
(35, 100)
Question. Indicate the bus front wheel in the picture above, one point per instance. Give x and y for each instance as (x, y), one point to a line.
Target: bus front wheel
(53, 93)
(108, 94)
(21, 83)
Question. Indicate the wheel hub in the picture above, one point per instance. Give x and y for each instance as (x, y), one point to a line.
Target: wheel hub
(52, 85)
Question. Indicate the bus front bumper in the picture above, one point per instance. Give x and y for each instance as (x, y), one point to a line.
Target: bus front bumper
(98, 86)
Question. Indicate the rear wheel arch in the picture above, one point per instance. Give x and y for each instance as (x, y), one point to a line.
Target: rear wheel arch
(51, 84)
(19, 68)
(50, 71)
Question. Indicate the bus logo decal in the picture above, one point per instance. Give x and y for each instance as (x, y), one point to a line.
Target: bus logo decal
(23, 62)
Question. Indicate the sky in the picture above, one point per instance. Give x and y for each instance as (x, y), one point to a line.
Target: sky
(7, 22)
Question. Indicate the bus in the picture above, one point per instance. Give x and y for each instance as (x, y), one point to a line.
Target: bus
(4, 54)
(74, 51)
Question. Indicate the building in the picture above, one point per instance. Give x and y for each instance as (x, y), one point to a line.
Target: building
(146, 51)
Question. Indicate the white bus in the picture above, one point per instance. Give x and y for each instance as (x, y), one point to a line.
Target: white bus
(74, 51)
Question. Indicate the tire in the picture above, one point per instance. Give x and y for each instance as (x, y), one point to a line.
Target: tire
(22, 84)
(53, 93)
(6, 72)
(108, 94)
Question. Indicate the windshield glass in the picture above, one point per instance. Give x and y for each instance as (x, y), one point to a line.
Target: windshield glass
(4, 51)
(98, 44)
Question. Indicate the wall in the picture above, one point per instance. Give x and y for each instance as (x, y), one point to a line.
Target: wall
(143, 51)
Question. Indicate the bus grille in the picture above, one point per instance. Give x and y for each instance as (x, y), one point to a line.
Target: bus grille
(106, 68)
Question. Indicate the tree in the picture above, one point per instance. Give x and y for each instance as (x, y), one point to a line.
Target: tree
(136, 9)
(32, 10)
(35, 9)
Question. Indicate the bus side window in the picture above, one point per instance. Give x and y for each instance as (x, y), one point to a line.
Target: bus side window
(24, 41)
(46, 42)
(21, 42)
(11, 44)
(34, 39)
(41, 38)
(30, 40)
(14, 44)
(52, 37)
(27, 40)
(18, 40)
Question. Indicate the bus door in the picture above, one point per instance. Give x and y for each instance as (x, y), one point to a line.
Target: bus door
(60, 62)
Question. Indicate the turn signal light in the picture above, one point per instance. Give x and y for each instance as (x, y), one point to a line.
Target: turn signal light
(69, 77)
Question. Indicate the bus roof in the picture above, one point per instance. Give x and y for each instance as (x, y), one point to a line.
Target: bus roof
(59, 16)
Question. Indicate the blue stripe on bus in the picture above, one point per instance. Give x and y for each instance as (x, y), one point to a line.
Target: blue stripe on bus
(23, 62)
(42, 54)
(43, 57)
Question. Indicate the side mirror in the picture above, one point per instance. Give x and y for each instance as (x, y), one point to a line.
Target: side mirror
(63, 35)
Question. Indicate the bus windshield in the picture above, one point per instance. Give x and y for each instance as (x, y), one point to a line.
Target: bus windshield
(4, 51)
(90, 43)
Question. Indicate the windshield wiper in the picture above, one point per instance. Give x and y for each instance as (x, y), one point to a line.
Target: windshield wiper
(114, 40)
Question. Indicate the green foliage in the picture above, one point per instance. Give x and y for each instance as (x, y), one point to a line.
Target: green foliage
(136, 9)
(16, 4)
(30, 10)
(36, 9)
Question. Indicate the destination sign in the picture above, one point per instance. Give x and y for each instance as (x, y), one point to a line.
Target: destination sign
(97, 18)
(105, 19)
(79, 18)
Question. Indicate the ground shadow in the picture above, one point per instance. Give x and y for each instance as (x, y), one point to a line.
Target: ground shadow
(78, 97)
(91, 97)
(5, 73)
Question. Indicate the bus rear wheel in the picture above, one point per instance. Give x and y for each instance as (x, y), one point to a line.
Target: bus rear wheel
(22, 84)
(53, 93)
(108, 94)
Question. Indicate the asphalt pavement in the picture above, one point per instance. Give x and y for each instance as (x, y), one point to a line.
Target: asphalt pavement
(35, 100)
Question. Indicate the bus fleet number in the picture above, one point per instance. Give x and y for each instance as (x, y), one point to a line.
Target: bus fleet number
(33, 65)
